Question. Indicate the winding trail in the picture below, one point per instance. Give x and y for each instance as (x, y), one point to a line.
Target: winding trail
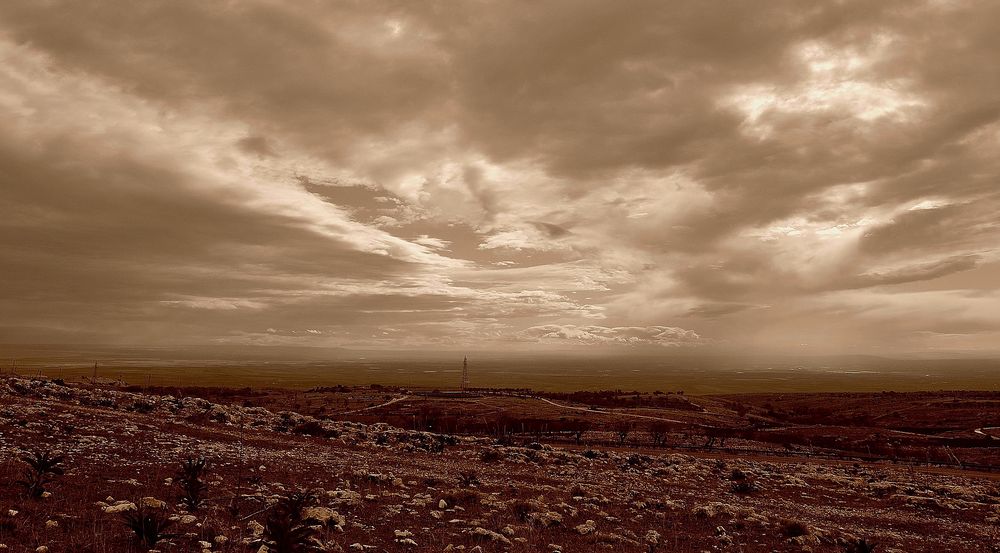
(618, 413)
(370, 407)
(984, 431)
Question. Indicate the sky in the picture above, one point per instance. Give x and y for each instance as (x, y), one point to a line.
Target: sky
(781, 176)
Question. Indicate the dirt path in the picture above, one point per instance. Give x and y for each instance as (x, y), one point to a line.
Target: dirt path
(617, 413)
(390, 402)
(984, 431)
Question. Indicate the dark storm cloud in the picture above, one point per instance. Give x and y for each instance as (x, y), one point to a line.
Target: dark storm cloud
(589, 172)
(317, 78)
(930, 228)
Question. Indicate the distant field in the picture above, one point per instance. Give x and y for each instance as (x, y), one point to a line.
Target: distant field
(692, 375)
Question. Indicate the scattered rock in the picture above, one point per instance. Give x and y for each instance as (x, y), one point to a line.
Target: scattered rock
(482, 534)
(120, 508)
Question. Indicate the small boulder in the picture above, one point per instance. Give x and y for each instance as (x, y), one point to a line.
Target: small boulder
(482, 534)
(323, 515)
(588, 527)
(152, 503)
(120, 508)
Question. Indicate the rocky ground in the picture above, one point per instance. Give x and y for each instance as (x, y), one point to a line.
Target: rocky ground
(378, 488)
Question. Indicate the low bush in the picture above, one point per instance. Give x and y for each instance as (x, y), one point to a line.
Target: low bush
(793, 528)
(189, 480)
(490, 456)
(42, 467)
(859, 545)
(744, 487)
(522, 510)
(148, 525)
(284, 529)
(468, 478)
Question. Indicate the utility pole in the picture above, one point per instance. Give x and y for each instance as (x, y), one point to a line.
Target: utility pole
(465, 374)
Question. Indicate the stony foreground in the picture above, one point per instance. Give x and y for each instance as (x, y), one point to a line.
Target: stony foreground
(385, 489)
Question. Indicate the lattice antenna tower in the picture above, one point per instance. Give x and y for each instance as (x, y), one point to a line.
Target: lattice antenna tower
(465, 374)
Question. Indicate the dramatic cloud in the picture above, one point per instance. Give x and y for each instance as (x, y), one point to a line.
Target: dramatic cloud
(602, 335)
(777, 175)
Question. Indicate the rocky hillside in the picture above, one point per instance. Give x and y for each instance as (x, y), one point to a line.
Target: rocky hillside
(79, 465)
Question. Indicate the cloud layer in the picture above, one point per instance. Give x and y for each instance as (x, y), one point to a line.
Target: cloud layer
(774, 176)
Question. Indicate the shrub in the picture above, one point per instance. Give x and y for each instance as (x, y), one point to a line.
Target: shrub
(636, 460)
(744, 487)
(148, 524)
(143, 406)
(622, 429)
(439, 442)
(42, 467)
(490, 456)
(284, 530)
(8, 524)
(192, 487)
(658, 432)
(860, 545)
(465, 498)
(106, 402)
(468, 478)
(522, 510)
(794, 528)
(311, 428)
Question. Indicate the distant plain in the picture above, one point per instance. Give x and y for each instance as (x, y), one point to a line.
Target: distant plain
(263, 367)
